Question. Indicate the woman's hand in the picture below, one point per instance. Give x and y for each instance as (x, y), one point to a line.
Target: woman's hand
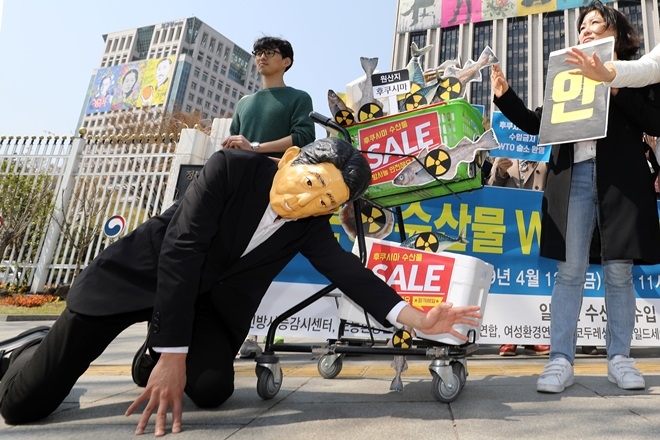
(498, 81)
(590, 66)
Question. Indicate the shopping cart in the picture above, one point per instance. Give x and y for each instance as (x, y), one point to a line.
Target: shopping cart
(448, 357)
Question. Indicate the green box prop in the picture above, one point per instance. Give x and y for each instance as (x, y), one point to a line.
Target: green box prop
(390, 142)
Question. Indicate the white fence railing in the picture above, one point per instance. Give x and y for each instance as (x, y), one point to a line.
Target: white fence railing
(95, 180)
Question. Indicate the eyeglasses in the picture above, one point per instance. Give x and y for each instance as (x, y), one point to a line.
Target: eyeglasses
(269, 53)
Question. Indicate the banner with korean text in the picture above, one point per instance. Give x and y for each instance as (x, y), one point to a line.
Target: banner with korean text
(503, 229)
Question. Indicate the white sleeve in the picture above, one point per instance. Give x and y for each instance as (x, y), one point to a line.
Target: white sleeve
(170, 349)
(638, 73)
(394, 313)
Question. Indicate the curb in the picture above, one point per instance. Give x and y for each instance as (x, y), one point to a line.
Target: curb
(9, 318)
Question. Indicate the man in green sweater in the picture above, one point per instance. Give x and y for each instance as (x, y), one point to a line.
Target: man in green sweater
(271, 120)
(277, 116)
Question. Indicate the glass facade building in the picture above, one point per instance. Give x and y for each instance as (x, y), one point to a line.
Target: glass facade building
(521, 43)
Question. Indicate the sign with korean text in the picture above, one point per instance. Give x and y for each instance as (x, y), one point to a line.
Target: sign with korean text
(390, 145)
(391, 83)
(515, 143)
(421, 278)
(503, 228)
(575, 108)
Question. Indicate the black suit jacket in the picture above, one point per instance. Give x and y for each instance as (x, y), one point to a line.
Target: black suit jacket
(195, 247)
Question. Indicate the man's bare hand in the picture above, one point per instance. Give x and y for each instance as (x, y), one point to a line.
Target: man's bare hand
(443, 317)
(164, 390)
(590, 66)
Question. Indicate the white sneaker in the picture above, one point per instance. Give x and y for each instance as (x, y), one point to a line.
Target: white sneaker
(621, 370)
(557, 375)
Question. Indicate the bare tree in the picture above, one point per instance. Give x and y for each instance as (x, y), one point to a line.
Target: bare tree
(89, 203)
(26, 203)
(148, 120)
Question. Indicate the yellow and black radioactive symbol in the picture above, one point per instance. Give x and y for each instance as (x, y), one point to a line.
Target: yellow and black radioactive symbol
(369, 111)
(426, 241)
(449, 88)
(402, 339)
(414, 101)
(344, 118)
(373, 219)
(437, 162)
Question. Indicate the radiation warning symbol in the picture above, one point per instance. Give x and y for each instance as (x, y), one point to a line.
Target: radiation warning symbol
(402, 339)
(437, 162)
(344, 118)
(373, 219)
(414, 101)
(369, 111)
(426, 241)
(449, 88)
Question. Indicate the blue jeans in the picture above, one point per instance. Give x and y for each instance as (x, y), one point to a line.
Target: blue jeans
(567, 293)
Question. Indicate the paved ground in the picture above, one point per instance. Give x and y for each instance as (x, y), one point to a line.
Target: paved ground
(499, 401)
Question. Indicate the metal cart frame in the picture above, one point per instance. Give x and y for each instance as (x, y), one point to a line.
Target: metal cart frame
(448, 365)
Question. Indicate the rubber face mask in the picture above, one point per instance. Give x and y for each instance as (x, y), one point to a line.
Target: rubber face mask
(306, 190)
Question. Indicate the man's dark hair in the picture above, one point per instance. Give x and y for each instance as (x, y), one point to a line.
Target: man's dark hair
(626, 42)
(353, 167)
(283, 46)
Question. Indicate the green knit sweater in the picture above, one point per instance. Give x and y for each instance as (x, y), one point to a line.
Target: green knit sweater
(274, 113)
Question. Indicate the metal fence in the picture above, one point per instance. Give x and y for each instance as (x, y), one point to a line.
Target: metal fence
(93, 181)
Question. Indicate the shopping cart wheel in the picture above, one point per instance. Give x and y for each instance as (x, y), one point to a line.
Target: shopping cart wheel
(267, 386)
(448, 391)
(330, 365)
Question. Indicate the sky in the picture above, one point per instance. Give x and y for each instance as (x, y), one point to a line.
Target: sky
(42, 88)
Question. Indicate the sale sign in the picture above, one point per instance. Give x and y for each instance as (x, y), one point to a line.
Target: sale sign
(391, 143)
(390, 146)
(421, 278)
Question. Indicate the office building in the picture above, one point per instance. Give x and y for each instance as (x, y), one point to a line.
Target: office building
(151, 71)
(521, 33)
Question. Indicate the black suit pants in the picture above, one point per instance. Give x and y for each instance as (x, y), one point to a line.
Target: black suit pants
(39, 380)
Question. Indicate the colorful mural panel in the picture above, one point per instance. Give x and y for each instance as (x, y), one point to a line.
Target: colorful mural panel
(132, 85)
(418, 15)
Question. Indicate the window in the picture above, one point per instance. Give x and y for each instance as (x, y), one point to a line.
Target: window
(449, 44)
(223, 70)
(205, 38)
(480, 92)
(205, 76)
(217, 98)
(419, 38)
(633, 10)
(234, 92)
(199, 101)
(212, 81)
(517, 65)
(196, 72)
(553, 36)
(216, 65)
(191, 97)
(202, 89)
(231, 105)
(188, 108)
(193, 85)
(212, 45)
(209, 94)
